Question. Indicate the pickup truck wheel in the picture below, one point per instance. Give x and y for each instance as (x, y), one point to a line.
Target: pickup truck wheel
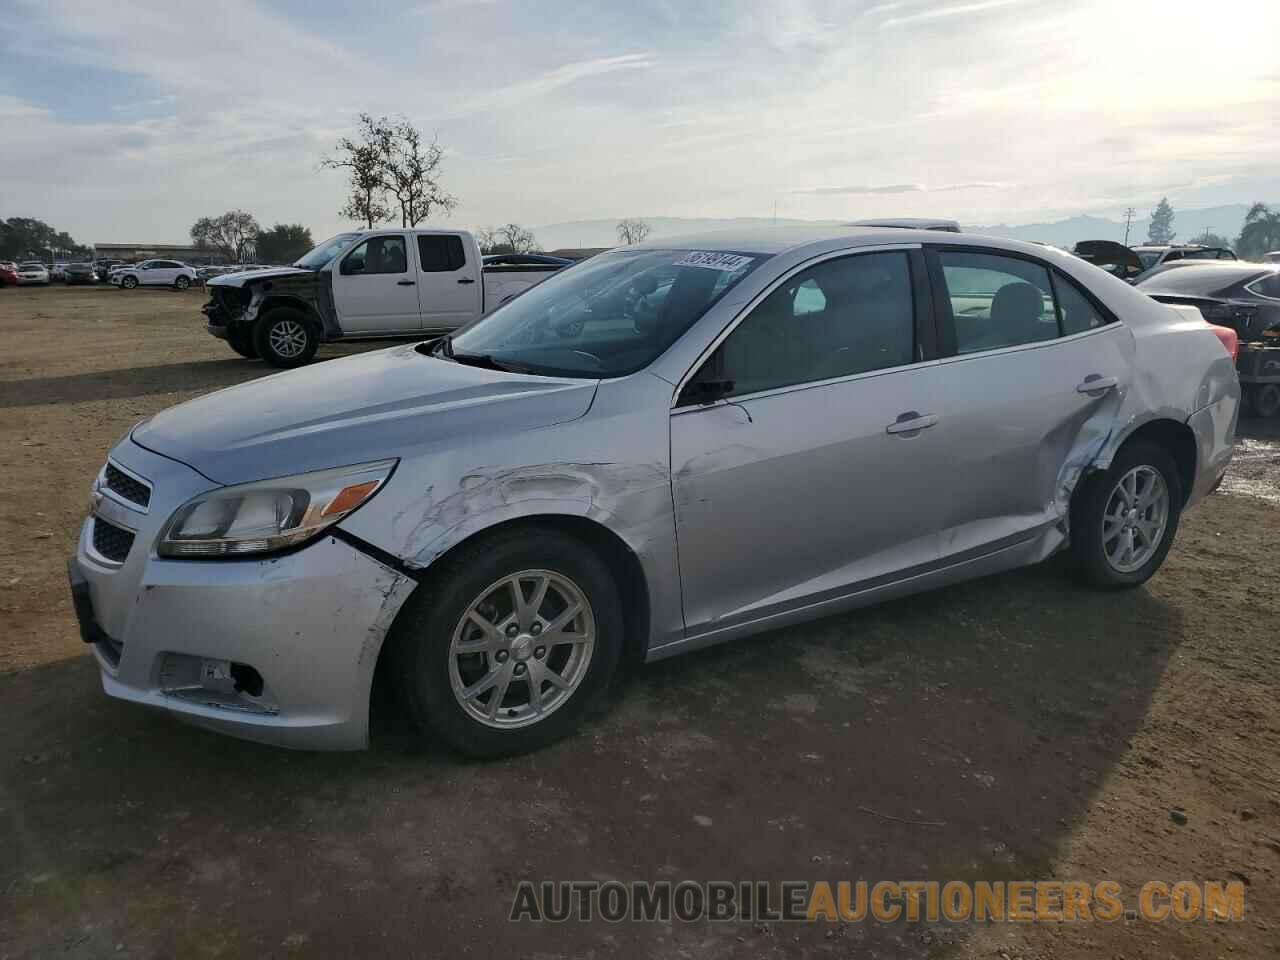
(182, 283)
(128, 283)
(285, 338)
(509, 644)
(1123, 520)
(241, 341)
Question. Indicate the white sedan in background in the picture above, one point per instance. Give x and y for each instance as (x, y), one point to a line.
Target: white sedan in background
(30, 274)
(154, 273)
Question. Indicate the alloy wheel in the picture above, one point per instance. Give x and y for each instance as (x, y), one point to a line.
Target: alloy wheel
(1135, 519)
(287, 338)
(521, 649)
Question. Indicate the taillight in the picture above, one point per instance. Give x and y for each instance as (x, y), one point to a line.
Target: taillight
(1229, 338)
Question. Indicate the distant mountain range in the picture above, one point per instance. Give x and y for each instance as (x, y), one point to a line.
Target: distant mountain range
(1224, 221)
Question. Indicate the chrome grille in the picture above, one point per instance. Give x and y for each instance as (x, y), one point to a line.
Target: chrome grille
(119, 482)
(110, 541)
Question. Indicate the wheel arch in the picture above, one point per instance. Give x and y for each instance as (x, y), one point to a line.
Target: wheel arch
(612, 549)
(276, 301)
(1177, 439)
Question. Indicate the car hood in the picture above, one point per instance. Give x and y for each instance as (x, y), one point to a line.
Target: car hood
(244, 276)
(390, 403)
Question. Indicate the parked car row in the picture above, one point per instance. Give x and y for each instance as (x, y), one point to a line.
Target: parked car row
(153, 273)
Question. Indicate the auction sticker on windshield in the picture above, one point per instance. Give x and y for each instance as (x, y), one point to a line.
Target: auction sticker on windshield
(727, 262)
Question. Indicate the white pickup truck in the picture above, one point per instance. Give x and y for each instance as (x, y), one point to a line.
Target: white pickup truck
(368, 283)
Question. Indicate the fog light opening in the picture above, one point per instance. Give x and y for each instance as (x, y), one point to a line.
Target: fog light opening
(247, 680)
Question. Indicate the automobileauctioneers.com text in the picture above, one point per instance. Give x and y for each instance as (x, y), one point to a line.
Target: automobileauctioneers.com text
(884, 901)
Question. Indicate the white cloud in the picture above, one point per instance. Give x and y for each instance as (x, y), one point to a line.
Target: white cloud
(982, 110)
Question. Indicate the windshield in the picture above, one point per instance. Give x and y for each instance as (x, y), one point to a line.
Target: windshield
(322, 254)
(1149, 258)
(607, 317)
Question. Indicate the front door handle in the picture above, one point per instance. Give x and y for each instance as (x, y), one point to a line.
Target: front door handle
(911, 423)
(466, 280)
(1096, 383)
(404, 283)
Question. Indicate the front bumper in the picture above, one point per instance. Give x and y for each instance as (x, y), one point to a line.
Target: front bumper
(309, 624)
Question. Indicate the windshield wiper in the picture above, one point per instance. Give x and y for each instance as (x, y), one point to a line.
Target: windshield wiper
(474, 359)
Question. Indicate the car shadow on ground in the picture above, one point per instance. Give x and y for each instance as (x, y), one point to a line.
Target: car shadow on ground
(955, 735)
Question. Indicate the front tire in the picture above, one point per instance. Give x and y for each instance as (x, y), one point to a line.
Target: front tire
(285, 338)
(241, 341)
(1123, 520)
(182, 283)
(128, 283)
(494, 675)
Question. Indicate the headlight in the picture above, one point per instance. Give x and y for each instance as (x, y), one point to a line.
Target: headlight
(271, 514)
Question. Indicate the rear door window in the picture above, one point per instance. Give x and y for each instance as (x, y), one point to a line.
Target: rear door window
(997, 301)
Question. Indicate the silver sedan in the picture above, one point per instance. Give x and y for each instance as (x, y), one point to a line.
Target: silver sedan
(668, 446)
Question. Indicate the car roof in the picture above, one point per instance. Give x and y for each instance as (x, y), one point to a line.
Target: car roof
(910, 223)
(771, 241)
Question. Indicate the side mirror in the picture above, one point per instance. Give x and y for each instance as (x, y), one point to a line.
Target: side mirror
(704, 392)
(352, 265)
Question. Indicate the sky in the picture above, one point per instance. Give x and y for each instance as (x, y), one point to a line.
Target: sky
(127, 121)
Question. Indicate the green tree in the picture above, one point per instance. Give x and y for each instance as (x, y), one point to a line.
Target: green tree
(1261, 232)
(284, 243)
(1161, 228)
(25, 238)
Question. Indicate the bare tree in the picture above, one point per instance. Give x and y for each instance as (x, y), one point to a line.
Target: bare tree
(632, 231)
(233, 234)
(487, 237)
(411, 169)
(508, 238)
(363, 160)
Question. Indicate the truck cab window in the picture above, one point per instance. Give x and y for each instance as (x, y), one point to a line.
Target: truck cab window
(376, 255)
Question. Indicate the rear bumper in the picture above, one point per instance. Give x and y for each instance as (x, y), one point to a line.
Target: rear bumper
(216, 330)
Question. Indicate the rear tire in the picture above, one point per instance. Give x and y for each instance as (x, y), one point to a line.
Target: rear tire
(285, 338)
(1123, 520)
(524, 647)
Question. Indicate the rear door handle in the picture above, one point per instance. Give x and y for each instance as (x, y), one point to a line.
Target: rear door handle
(404, 283)
(911, 423)
(1096, 383)
(466, 280)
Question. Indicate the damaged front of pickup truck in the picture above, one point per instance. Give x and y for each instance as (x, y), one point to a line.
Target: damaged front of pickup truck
(279, 315)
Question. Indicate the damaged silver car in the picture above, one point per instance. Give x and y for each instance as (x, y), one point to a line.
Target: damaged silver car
(667, 446)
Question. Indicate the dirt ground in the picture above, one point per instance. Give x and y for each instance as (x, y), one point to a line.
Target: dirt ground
(1019, 727)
